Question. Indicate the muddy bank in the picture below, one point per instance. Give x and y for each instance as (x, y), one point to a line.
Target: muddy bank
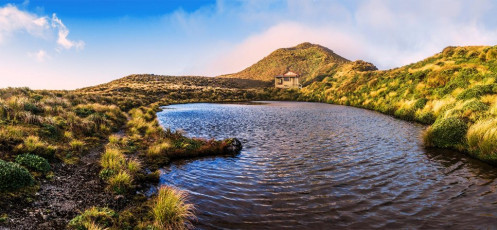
(73, 188)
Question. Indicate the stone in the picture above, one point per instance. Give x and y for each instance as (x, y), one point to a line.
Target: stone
(234, 145)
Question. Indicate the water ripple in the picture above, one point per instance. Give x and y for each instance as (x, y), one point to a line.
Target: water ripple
(319, 166)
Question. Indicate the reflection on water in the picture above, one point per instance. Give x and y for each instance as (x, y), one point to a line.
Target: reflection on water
(320, 166)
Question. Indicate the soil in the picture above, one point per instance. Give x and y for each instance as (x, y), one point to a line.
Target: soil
(73, 189)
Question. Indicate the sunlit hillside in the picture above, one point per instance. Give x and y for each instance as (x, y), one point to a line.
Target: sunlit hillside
(309, 60)
(454, 89)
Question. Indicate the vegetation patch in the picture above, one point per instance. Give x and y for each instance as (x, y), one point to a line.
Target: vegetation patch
(93, 218)
(482, 139)
(33, 162)
(13, 176)
(446, 133)
(170, 210)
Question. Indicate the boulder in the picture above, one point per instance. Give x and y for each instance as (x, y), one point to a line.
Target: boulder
(234, 145)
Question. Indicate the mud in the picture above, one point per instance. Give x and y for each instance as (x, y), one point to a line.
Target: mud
(73, 189)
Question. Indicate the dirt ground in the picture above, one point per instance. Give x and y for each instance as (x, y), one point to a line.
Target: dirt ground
(74, 188)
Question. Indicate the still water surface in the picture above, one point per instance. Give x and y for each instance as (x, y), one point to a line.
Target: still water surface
(321, 166)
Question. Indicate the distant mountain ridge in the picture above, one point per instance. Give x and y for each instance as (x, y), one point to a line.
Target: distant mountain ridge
(309, 60)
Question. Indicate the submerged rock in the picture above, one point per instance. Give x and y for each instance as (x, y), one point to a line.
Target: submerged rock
(234, 145)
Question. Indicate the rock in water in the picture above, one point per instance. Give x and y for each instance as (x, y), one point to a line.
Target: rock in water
(234, 145)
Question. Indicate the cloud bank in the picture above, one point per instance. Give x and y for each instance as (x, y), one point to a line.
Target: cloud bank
(388, 33)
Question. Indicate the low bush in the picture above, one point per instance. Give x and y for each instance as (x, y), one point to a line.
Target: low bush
(475, 92)
(446, 133)
(425, 117)
(475, 106)
(170, 210)
(93, 218)
(33, 162)
(13, 176)
(106, 174)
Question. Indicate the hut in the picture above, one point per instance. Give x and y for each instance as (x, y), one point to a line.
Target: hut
(289, 80)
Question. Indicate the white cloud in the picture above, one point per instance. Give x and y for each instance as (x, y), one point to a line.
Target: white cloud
(14, 20)
(62, 33)
(39, 56)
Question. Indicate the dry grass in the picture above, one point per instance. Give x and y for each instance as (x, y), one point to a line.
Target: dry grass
(482, 137)
(170, 210)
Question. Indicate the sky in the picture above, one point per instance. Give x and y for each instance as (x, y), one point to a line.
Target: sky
(69, 44)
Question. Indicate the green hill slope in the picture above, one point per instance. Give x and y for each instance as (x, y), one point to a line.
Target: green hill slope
(454, 90)
(307, 59)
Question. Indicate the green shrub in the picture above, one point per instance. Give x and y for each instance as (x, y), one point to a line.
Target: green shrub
(420, 103)
(106, 173)
(475, 106)
(491, 54)
(405, 114)
(50, 131)
(425, 117)
(446, 133)
(84, 112)
(102, 217)
(13, 176)
(475, 92)
(33, 162)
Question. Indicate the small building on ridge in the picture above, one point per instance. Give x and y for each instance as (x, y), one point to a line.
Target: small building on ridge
(289, 80)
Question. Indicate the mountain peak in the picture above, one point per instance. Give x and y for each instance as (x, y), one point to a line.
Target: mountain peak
(307, 59)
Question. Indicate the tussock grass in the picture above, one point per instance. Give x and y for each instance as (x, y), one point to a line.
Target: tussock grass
(77, 145)
(33, 144)
(113, 159)
(482, 138)
(121, 182)
(134, 166)
(159, 148)
(170, 210)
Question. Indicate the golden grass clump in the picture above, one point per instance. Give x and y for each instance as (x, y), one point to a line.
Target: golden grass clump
(113, 159)
(77, 145)
(134, 166)
(482, 137)
(120, 182)
(170, 210)
(159, 149)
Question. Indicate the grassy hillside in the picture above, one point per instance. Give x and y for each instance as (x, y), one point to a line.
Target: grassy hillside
(307, 59)
(454, 90)
(144, 89)
(135, 90)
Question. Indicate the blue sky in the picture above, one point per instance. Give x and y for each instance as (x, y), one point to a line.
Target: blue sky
(62, 44)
